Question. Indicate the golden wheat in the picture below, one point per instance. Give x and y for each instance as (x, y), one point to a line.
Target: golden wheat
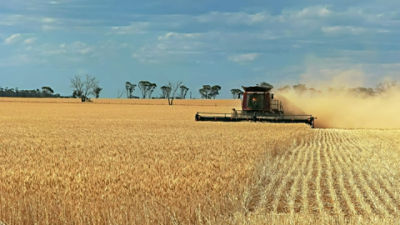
(144, 162)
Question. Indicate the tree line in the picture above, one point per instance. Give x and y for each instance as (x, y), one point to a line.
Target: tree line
(88, 86)
(175, 90)
(44, 92)
(379, 89)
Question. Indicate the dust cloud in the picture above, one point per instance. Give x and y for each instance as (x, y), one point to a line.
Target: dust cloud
(339, 106)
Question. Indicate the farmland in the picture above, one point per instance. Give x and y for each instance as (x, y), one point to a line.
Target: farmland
(144, 162)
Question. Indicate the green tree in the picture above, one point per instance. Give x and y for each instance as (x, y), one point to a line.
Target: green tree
(146, 88)
(130, 88)
(236, 93)
(266, 85)
(46, 90)
(143, 87)
(165, 91)
(150, 89)
(205, 91)
(215, 91)
(183, 92)
(97, 91)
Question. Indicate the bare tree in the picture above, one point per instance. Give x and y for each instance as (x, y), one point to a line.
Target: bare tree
(84, 88)
(120, 93)
(77, 85)
(174, 88)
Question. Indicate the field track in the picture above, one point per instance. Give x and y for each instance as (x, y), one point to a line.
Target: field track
(328, 174)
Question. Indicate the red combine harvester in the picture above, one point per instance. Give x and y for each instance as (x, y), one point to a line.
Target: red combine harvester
(258, 104)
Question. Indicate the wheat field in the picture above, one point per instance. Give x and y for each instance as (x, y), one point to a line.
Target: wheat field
(144, 162)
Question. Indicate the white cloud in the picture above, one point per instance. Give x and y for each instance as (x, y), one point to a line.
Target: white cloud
(46, 27)
(241, 58)
(167, 51)
(132, 28)
(234, 18)
(342, 30)
(173, 46)
(58, 2)
(54, 2)
(10, 20)
(21, 59)
(69, 50)
(12, 39)
(29, 41)
(319, 11)
(48, 20)
(174, 35)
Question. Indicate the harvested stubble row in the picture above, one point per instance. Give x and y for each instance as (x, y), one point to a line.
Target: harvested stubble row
(333, 173)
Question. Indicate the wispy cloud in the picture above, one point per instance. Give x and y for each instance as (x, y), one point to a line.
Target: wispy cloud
(48, 20)
(234, 18)
(76, 48)
(241, 58)
(12, 39)
(310, 12)
(132, 28)
(30, 52)
(342, 30)
(175, 35)
(29, 41)
(173, 46)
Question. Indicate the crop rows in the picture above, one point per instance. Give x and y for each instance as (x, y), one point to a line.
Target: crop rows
(330, 173)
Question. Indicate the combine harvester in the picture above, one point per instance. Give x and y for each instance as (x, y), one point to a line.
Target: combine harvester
(258, 104)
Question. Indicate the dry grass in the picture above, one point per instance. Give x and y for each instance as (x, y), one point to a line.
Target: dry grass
(122, 162)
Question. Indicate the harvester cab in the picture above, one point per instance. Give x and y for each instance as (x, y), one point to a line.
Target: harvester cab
(261, 100)
(258, 104)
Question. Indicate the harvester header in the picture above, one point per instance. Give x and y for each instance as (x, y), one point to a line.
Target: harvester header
(258, 104)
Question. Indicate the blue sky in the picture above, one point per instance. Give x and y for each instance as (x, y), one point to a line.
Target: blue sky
(230, 43)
